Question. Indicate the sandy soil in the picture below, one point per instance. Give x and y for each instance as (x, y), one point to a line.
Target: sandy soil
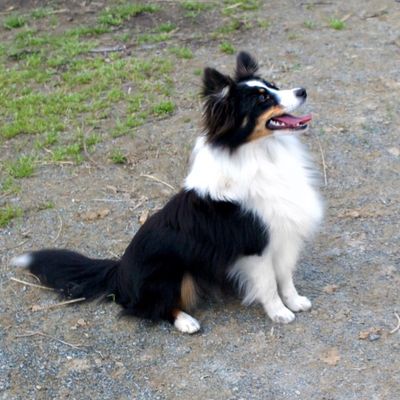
(343, 348)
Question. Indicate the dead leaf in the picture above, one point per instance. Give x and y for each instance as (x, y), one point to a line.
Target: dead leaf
(331, 356)
(81, 322)
(112, 189)
(349, 214)
(330, 289)
(93, 215)
(36, 307)
(143, 217)
(371, 334)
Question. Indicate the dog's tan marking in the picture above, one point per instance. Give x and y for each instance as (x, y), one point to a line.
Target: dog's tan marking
(260, 129)
(188, 292)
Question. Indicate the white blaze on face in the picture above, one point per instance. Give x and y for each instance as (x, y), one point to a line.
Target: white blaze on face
(286, 98)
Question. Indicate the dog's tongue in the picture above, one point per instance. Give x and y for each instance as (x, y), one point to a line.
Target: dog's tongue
(291, 120)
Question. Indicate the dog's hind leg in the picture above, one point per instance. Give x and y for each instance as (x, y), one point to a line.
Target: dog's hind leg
(184, 322)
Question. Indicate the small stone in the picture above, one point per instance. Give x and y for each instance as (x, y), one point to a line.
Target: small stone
(373, 336)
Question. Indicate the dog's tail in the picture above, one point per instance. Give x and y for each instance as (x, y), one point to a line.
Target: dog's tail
(70, 273)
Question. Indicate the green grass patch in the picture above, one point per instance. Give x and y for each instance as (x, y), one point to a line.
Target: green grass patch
(310, 25)
(48, 205)
(153, 37)
(233, 6)
(117, 157)
(14, 21)
(51, 85)
(41, 12)
(166, 27)
(23, 167)
(227, 48)
(117, 15)
(163, 108)
(8, 213)
(8, 185)
(182, 52)
(196, 6)
(71, 152)
(337, 24)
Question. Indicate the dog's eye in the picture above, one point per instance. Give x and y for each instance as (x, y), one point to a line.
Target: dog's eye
(263, 97)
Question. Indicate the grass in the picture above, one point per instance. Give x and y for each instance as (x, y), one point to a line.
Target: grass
(8, 213)
(14, 21)
(234, 6)
(196, 6)
(23, 167)
(337, 24)
(117, 15)
(309, 25)
(163, 108)
(117, 157)
(54, 90)
(166, 27)
(182, 52)
(152, 37)
(41, 12)
(227, 48)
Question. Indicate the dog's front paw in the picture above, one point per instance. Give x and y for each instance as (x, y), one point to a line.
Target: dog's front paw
(281, 315)
(186, 324)
(298, 303)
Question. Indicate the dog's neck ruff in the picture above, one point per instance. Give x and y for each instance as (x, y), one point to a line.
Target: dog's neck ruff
(273, 178)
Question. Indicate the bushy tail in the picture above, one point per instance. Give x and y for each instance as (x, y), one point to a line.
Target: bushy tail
(73, 274)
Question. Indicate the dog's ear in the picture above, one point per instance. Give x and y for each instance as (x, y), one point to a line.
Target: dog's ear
(215, 83)
(246, 66)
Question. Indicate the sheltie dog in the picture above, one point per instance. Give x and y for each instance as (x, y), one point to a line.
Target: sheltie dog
(242, 216)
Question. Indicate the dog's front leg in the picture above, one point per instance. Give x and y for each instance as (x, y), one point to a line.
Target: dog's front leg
(256, 276)
(285, 256)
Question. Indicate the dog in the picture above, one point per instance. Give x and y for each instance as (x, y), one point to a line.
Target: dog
(245, 210)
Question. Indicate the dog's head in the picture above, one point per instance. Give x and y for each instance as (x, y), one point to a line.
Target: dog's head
(247, 108)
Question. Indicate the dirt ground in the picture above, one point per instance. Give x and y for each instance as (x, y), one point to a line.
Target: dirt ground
(343, 348)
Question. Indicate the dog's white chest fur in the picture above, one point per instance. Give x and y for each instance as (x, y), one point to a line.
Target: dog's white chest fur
(272, 178)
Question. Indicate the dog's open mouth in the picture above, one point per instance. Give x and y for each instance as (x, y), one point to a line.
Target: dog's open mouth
(288, 121)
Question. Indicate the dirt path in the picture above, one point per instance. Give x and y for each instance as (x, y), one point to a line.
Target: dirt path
(343, 348)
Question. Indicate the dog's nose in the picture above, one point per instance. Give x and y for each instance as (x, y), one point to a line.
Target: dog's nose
(301, 93)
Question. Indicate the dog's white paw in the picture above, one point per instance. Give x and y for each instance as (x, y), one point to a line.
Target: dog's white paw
(281, 315)
(186, 324)
(298, 303)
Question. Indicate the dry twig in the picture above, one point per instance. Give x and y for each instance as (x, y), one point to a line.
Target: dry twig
(38, 333)
(31, 284)
(158, 180)
(59, 229)
(323, 160)
(398, 324)
(62, 303)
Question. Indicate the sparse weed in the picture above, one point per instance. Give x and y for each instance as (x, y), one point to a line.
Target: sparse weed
(115, 16)
(41, 12)
(163, 108)
(182, 52)
(117, 157)
(14, 21)
(309, 25)
(23, 167)
(337, 24)
(196, 6)
(227, 48)
(8, 213)
(166, 27)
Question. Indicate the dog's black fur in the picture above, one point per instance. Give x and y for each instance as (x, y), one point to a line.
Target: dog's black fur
(190, 235)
